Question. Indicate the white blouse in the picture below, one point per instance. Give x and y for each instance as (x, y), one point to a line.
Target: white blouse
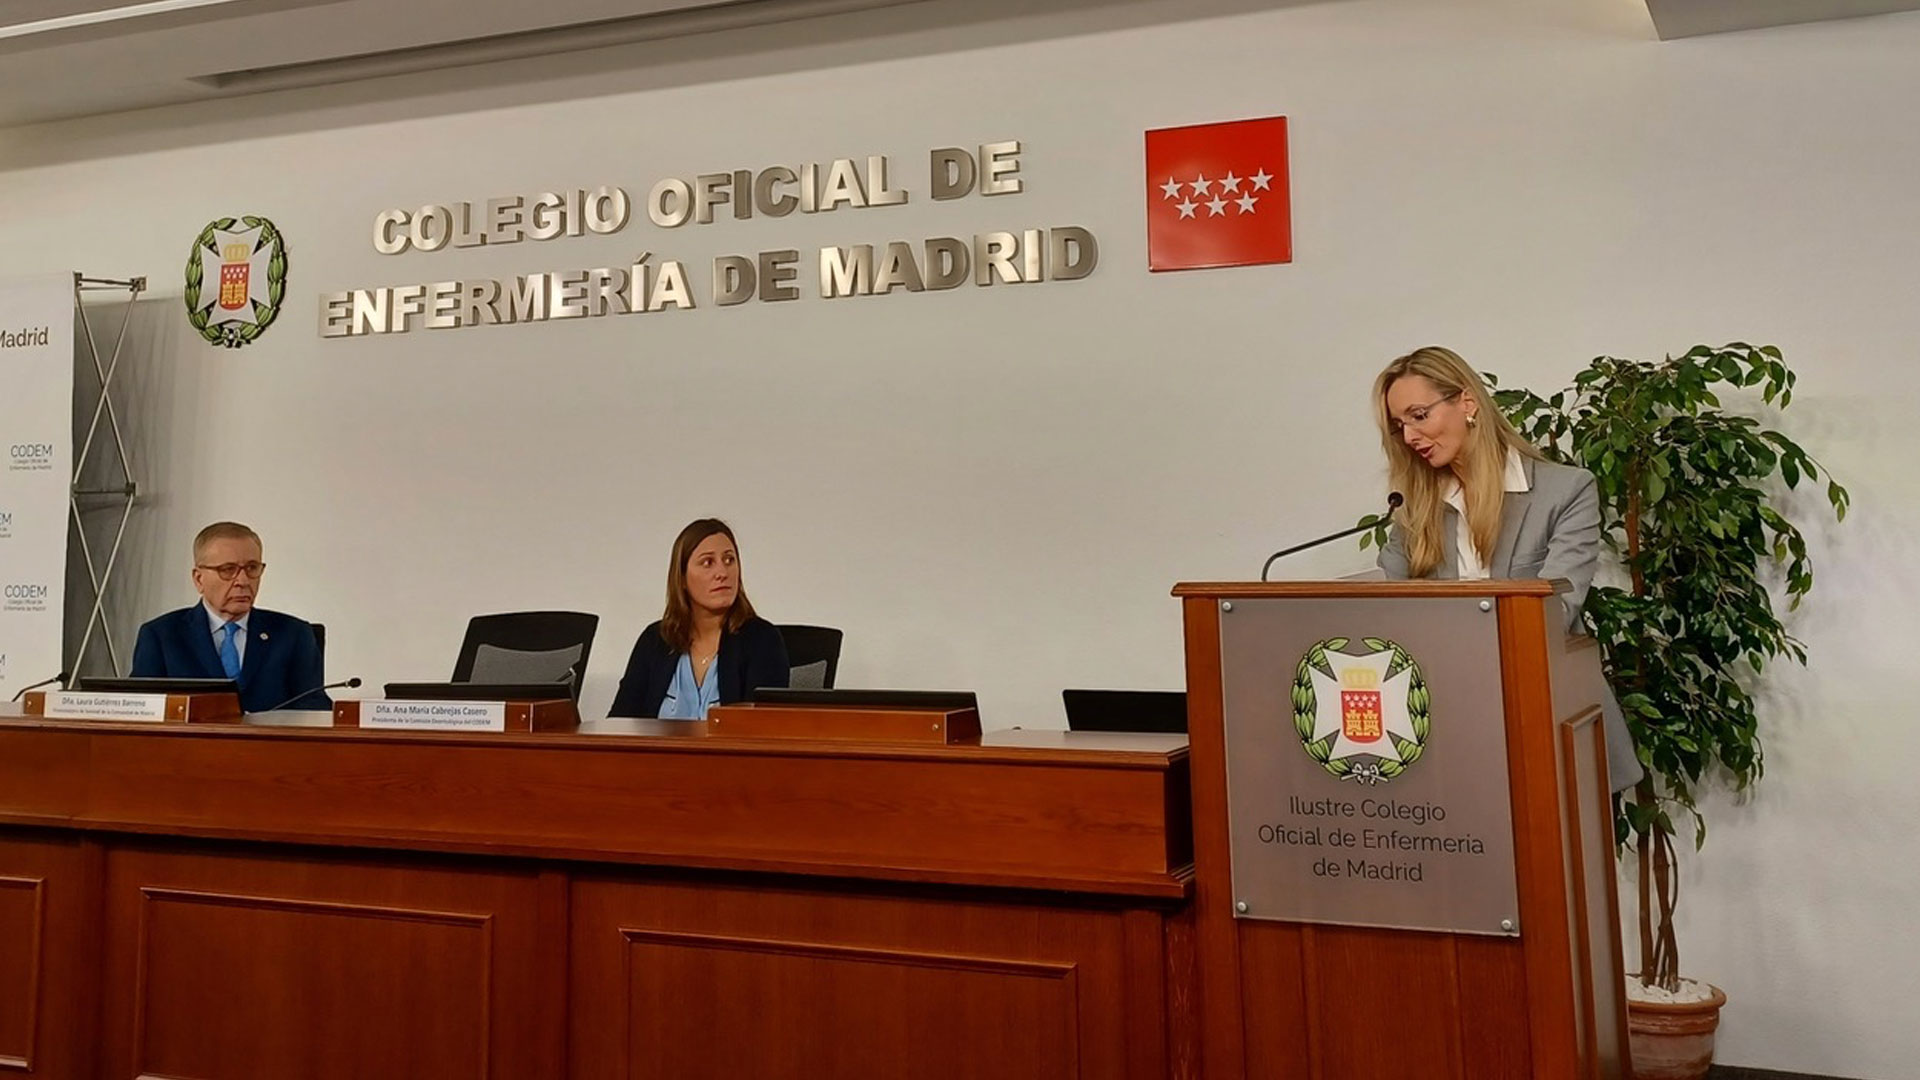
(1468, 563)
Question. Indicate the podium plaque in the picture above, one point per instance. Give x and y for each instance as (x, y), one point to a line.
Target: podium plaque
(1367, 763)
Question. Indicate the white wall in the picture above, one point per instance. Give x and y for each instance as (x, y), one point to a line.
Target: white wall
(994, 488)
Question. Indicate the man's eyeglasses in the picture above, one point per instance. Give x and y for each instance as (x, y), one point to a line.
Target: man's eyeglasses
(229, 571)
(1418, 415)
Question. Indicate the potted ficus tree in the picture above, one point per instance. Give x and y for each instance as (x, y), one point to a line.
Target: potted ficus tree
(1693, 504)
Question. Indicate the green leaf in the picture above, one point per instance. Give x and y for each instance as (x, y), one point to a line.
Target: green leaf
(1688, 447)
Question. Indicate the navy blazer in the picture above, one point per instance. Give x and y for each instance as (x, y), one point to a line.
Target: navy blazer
(282, 658)
(753, 657)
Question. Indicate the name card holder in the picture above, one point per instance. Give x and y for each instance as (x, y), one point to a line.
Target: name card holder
(769, 720)
(556, 714)
(133, 708)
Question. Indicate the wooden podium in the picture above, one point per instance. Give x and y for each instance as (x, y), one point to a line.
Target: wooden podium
(1402, 834)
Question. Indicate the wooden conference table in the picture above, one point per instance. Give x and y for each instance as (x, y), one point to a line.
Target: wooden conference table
(283, 899)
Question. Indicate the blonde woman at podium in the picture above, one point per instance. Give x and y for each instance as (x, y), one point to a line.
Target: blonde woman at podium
(1482, 502)
(709, 648)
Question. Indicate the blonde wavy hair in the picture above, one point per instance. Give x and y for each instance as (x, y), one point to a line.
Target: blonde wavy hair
(1480, 466)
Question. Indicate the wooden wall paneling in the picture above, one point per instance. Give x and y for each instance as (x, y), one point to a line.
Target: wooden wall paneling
(1274, 999)
(40, 765)
(1379, 1003)
(554, 901)
(1216, 933)
(1182, 978)
(294, 965)
(1600, 975)
(1383, 1004)
(1539, 853)
(1144, 982)
(689, 979)
(46, 962)
(23, 956)
(295, 903)
(720, 1006)
(1094, 822)
(1587, 813)
(1494, 1032)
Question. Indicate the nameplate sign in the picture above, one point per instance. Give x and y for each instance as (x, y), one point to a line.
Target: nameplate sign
(434, 715)
(87, 705)
(1367, 777)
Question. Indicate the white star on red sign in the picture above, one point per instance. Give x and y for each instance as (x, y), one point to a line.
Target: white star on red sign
(1233, 191)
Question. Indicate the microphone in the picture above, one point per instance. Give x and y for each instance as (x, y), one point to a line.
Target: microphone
(60, 678)
(348, 683)
(1394, 499)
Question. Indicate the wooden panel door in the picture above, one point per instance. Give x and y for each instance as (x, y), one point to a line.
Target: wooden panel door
(693, 980)
(302, 966)
(47, 960)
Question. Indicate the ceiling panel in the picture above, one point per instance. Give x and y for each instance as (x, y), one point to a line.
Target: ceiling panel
(195, 54)
(238, 47)
(1689, 18)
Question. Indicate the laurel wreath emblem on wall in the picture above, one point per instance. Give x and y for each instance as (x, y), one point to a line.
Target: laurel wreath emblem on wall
(235, 334)
(1306, 710)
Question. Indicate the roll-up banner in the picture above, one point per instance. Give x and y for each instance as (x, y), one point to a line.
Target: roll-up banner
(36, 429)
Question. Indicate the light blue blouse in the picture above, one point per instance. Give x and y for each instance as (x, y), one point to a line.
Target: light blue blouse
(687, 699)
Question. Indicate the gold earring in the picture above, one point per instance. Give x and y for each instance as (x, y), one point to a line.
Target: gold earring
(1472, 420)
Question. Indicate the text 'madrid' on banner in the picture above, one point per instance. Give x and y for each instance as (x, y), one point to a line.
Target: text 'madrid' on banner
(36, 429)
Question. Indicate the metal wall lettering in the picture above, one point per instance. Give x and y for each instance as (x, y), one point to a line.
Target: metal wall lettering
(919, 265)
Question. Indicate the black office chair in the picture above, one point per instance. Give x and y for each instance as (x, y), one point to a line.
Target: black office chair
(1161, 711)
(527, 647)
(813, 656)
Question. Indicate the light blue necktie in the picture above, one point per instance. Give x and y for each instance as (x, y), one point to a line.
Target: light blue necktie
(230, 652)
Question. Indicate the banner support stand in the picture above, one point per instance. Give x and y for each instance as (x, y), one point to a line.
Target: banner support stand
(122, 497)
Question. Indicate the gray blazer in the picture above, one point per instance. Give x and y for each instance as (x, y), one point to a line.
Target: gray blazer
(1551, 532)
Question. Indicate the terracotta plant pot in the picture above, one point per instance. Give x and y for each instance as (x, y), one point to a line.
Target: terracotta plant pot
(1673, 1041)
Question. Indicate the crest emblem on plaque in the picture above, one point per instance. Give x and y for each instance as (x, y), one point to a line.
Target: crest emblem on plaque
(236, 280)
(1363, 716)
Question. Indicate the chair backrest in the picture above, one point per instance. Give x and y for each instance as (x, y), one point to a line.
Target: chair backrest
(813, 655)
(1126, 710)
(320, 639)
(527, 646)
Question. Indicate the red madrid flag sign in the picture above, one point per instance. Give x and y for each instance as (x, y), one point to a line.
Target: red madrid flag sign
(1217, 195)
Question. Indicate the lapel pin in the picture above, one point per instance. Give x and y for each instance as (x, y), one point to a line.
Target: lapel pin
(263, 635)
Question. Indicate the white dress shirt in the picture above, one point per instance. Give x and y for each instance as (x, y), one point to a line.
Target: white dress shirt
(1469, 564)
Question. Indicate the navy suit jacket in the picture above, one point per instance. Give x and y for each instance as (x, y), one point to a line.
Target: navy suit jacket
(752, 658)
(282, 658)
